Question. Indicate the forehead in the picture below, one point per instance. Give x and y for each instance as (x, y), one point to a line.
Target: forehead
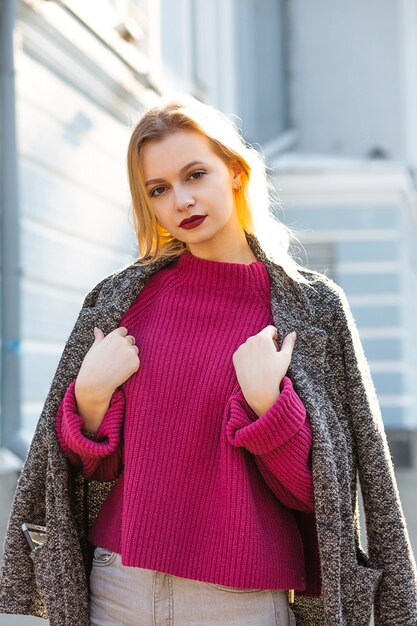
(174, 151)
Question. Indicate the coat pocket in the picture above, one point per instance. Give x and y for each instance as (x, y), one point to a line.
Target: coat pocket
(44, 581)
(366, 581)
(61, 607)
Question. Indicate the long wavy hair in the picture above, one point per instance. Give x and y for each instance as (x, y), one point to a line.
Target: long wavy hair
(253, 199)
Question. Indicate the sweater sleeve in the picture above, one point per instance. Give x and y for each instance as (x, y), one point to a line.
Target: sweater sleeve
(98, 455)
(281, 441)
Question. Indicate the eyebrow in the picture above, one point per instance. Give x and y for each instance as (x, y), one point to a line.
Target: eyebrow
(157, 180)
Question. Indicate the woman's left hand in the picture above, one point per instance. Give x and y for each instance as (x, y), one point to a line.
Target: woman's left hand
(260, 367)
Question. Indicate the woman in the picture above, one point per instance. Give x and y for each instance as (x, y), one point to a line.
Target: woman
(199, 459)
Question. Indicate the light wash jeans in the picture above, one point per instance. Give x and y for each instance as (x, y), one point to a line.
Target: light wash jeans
(133, 596)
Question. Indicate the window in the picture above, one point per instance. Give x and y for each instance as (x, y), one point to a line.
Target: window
(319, 256)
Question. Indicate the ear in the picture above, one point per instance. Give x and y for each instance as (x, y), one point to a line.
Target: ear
(235, 172)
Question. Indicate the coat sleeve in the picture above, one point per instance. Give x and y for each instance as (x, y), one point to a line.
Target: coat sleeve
(280, 440)
(387, 536)
(99, 456)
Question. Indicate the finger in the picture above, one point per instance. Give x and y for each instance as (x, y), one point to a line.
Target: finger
(273, 333)
(131, 339)
(289, 341)
(98, 334)
(269, 330)
(121, 330)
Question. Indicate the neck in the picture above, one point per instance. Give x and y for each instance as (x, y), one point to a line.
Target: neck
(235, 252)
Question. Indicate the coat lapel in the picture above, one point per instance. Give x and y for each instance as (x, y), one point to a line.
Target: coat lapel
(292, 310)
(119, 294)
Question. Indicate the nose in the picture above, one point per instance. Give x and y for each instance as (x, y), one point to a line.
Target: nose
(183, 199)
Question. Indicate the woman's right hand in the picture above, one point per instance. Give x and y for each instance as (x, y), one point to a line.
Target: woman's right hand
(110, 361)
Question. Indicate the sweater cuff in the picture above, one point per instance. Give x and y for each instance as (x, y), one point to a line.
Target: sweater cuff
(107, 437)
(261, 435)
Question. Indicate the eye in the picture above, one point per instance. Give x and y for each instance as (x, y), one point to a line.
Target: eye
(152, 193)
(202, 172)
(199, 174)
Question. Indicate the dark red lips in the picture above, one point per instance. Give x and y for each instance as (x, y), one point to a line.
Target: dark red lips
(193, 221)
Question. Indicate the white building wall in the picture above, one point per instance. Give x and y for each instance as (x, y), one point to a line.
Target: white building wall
(347, 80)
(76, 223)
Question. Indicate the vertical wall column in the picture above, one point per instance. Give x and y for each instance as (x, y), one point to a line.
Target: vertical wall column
(408, 68)
(9, 216)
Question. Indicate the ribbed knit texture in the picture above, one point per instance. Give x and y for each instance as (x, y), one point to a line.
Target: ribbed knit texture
(205, 487)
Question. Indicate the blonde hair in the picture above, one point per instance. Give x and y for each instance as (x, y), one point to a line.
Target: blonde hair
(253, 199)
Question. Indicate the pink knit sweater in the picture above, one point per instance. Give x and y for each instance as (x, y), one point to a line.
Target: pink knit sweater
(206, 490)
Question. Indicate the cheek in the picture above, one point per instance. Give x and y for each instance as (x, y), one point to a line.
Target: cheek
(159, 212)
(219, 192)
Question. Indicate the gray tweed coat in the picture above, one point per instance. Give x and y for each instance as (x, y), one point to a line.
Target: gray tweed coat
(331, 375)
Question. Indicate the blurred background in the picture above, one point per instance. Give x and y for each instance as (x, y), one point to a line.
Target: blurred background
(326, 90)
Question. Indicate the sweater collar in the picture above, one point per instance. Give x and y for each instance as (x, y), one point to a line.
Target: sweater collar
(290, 302)
(222, 275)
